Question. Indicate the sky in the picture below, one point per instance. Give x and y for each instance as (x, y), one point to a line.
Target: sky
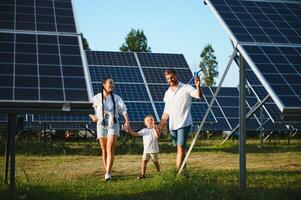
(171, 26)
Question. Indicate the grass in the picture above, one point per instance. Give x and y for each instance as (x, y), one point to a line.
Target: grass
(72, 170)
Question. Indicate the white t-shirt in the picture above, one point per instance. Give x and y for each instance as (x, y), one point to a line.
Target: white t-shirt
(108, 108)
(150, 141)
(178, 104)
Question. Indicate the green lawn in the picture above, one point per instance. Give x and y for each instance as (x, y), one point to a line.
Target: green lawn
(72, 170)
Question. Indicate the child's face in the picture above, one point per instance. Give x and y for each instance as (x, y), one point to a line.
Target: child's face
(149, 122)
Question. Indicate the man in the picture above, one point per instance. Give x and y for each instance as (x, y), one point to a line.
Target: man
(178, 100)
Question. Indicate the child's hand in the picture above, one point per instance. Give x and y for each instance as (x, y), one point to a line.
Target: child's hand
(94, 118)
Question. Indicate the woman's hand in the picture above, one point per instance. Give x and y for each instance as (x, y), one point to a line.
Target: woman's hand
(127, 126)
(94, 118)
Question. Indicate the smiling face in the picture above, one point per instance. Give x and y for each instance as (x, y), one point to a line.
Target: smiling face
(149, 122)
(172, 79)
(108, 85)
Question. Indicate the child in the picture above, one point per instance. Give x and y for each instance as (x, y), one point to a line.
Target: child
(150, 144)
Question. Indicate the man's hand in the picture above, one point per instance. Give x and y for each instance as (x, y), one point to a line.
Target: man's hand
(197, 81)
(94, 118)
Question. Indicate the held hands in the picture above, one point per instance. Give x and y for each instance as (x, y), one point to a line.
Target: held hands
(127, 126)
(94, 118)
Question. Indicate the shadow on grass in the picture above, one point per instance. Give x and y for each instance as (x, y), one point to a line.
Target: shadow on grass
(167, 185)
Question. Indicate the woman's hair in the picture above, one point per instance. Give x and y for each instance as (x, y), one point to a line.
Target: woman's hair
(104, 80)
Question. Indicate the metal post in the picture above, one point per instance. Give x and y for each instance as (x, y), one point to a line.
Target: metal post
(242, 123)
(261, 127)
(208, 110)
(12, 120)
(7, 154)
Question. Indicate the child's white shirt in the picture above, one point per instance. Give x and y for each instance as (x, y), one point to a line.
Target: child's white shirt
(150, 141)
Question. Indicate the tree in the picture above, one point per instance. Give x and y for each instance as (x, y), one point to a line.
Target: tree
(135, 41)
(210, 65)
(85, 42)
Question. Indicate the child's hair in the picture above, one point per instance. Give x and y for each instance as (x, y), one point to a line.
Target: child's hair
(149, 116)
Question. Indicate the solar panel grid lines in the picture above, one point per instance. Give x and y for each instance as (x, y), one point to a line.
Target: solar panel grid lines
(283, 75)
(261, 22)
(36, 15)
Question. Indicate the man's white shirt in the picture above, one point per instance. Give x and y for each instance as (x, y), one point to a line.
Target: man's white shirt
(178, 105)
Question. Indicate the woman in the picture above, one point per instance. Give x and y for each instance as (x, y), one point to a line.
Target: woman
(107, 107)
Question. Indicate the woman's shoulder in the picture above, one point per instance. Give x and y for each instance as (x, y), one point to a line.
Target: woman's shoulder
(117, 97)
(97, 96)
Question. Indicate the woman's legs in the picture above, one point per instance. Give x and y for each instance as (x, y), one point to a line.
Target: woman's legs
(103, 144)
(110, 152)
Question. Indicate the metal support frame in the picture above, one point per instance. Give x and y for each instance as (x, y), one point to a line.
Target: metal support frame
(208, 110)
(249, 114)
(242, 123)
(11, 151)
(268, 136)
(261, 127)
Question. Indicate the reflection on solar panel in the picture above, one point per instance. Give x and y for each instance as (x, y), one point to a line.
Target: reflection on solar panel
(267, 34)
(41, 54)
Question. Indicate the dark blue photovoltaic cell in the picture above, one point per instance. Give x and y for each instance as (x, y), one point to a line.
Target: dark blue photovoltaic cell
(37, 15)
(286, 84)
(60, 126)
(60, 118)
(118, 74)
(128, 92)
(198, 111)
(156, 75)
(157, 91)
(138, 110)
(160, 60)
(41, 68)
(258, 21)
(112, 59)
(3, 118)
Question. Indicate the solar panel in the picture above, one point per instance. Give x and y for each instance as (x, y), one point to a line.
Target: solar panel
(119, 74)
(52, 15)
(160, 60)
(60, 118)
(267, 34)
(261, 21)
(41, 56)
(111, 58)
(3, 118)
(156, 75)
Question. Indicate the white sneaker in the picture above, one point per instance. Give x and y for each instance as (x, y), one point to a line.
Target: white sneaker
(108, 177)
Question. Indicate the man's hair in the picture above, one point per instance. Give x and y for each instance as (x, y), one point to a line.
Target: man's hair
(170, 71)
(149, 116)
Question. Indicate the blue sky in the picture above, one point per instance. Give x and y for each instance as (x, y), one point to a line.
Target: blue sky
(171, 26)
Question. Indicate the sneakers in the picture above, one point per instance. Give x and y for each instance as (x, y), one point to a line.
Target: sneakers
(108, 177)
(141, 176)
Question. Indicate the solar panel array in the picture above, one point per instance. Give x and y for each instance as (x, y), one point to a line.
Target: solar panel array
(268, 34)
(134, 75)
(41, 53)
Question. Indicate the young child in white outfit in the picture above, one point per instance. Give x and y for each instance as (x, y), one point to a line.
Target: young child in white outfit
(150, 144)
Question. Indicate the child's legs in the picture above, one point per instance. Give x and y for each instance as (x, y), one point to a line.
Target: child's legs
(145, 159)
(154, 157)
